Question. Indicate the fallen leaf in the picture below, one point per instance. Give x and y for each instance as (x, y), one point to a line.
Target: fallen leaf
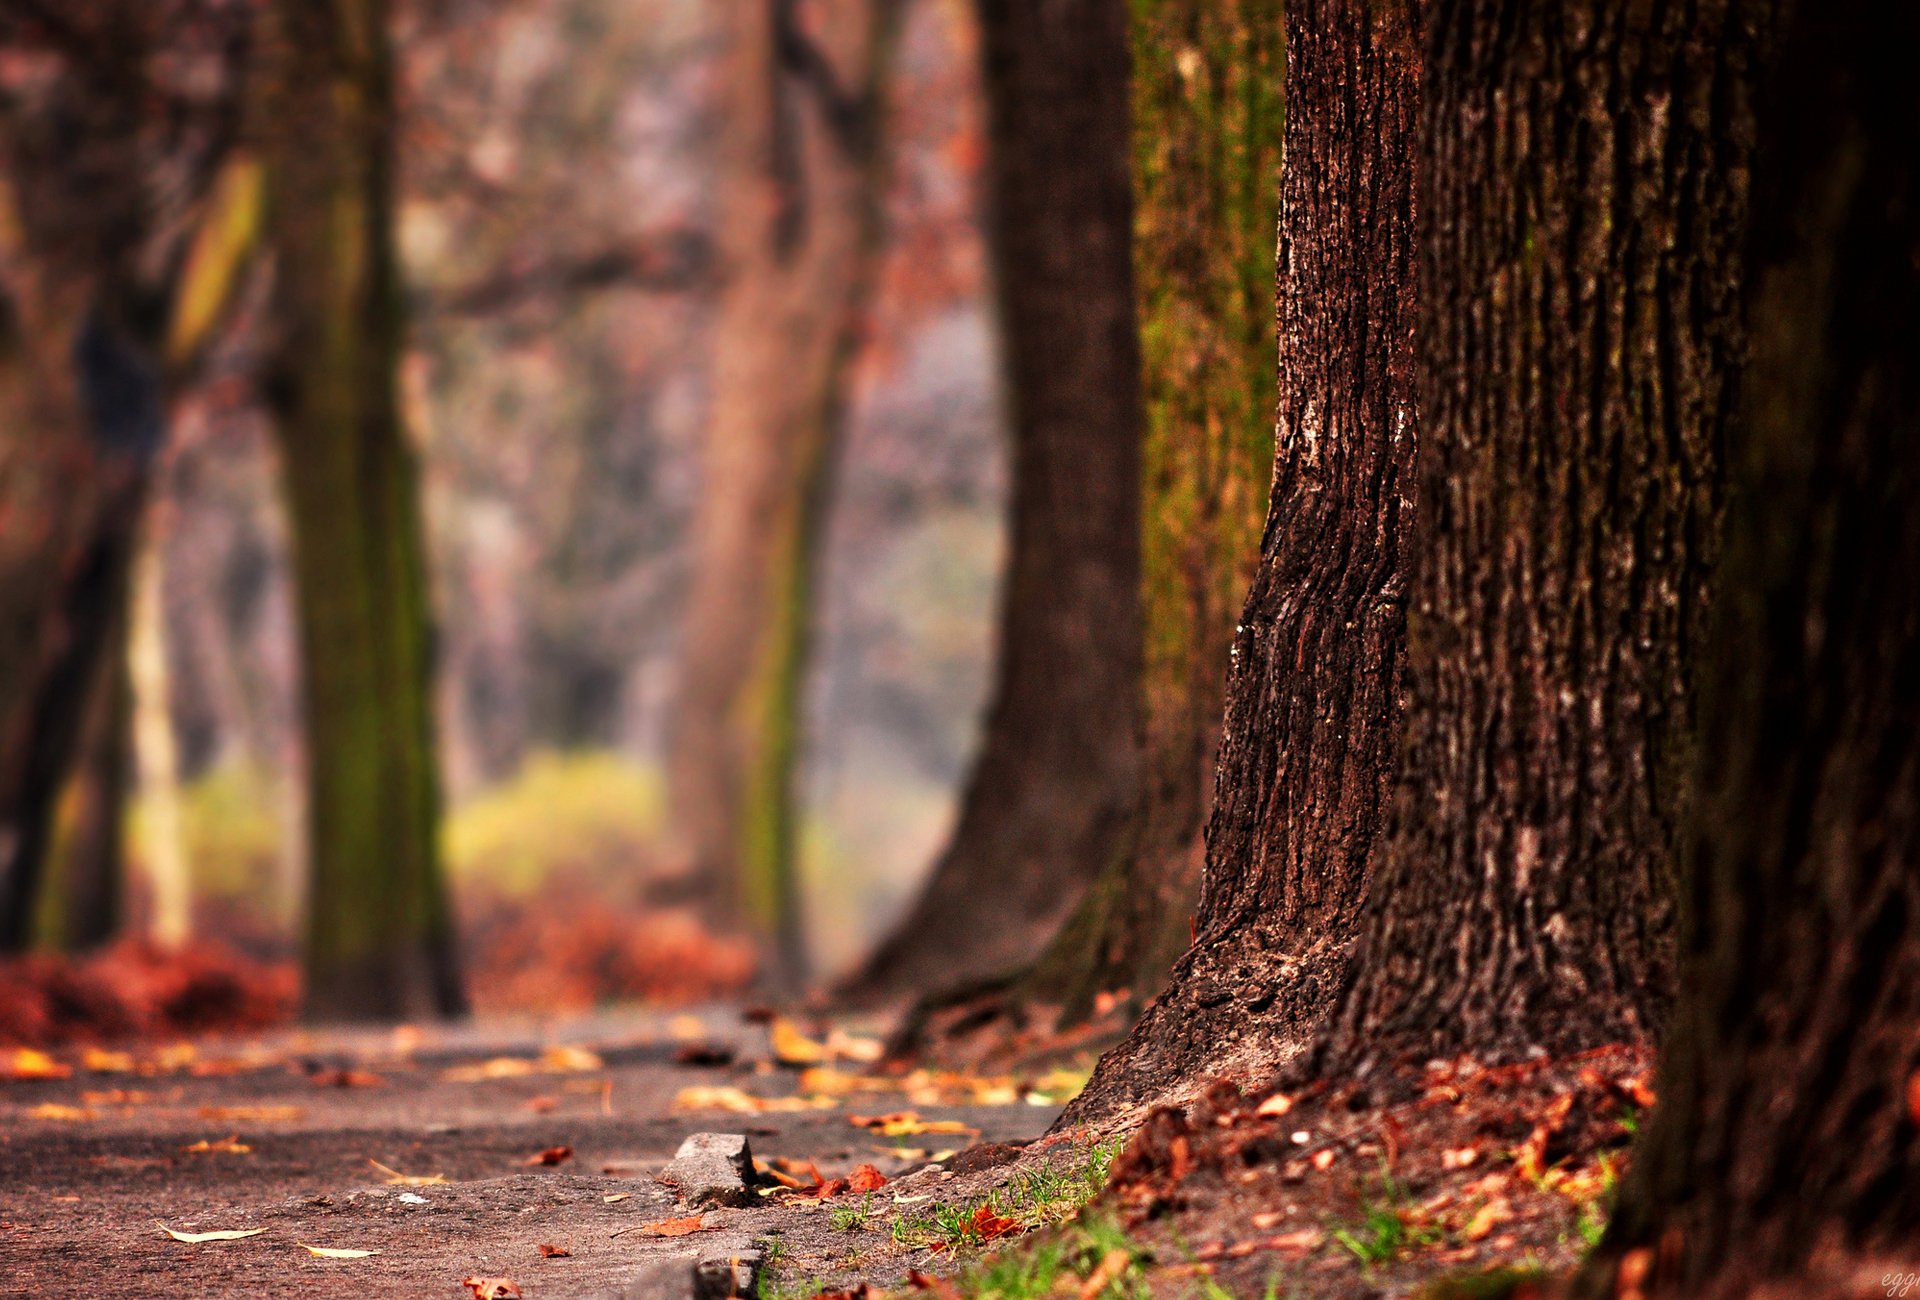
(56, 1111)
(345, 1079)
(988, 1224)
(397, 1179)
(1304, 1240)
(336, 1252)
(1278, 1104)
(865, 1178)
(26, 1063)
(791, 1047)
(1111, 1268)
(849, 1047)
(1494, 1212)
(1459, 1157)
(745, 1103)
(223, 1234)
(673, 1227)
(252, 1114)
(905, 1123)
(940, 1288)
(539, 1105)
(500, 1067)
(554, 1252)
(615, 1197)
(1323, 1160)
(100, 1061)
(231, 1145)
(492, 1288)
(551, 1156)
(570, 1060)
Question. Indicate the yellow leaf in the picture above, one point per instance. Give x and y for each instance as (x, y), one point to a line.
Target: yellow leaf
(570, 1060)
(252, 1114)
(54, 1110)
(1278, 1104)
(336, 1252)
(791, 1047)
(30, 1064)
(744, 1103)
(397, 1179)
(500, 1067)
(220, 248)
(223, 1234)
(229, 1145)
(100, 1061)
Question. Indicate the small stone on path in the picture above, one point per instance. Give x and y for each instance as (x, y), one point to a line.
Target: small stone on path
(712, 1169)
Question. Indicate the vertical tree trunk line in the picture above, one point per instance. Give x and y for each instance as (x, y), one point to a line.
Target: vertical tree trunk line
(1783, 1157)
(802, 201)
(380, 940)
(1207, 102)
(1051, 786)
(1583, 198)
(1314, 686)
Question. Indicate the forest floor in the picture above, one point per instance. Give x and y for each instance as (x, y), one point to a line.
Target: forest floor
(530, 1154)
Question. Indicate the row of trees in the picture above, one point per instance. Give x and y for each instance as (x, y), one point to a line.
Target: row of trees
(1514, 759)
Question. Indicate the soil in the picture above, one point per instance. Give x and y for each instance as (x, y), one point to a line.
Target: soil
(95, 1160)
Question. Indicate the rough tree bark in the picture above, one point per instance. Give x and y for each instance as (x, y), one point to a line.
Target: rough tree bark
(1207, 116)
(379, 937)
(1051, 786)
(1314, 687)
(1583, 201)
(802, 200)
(1783, 1158)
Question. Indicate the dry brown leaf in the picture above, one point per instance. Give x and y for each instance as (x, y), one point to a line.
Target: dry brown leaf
(230, 1145)
(554, 1252)
(865, 1178)
(1493, 1213)
(221, 1234)
(1112, 1266)
(26, 1063)
(1304, 1240)
(336, 1252)
(673, 1227)
(988, 1224)
(492, 1288)
(397, 1179)
(551, 1156)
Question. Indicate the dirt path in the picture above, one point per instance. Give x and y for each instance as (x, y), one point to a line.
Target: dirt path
(92, 1160)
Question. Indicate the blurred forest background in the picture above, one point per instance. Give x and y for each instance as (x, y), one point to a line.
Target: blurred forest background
(557, 220)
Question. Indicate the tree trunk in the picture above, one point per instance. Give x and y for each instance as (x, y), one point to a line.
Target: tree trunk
(1207, 117)
(803, 191)
(1313, 690)
(1050, 790)
(91, 865)
(1583, 200)
(1783, 1157)
(380, 940)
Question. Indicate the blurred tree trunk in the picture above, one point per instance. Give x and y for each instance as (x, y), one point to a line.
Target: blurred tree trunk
(108, 155)
(803, 189)
(1046, 804)
(1207, 118)
(1314, 687)
(380, 938)
(1783, 1152)
(91, 852)
(1581, 187)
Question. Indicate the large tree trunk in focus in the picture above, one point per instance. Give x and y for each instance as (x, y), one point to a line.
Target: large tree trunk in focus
(1053, 782)
(1584, 205)
(1207, 118)
(803, 191)
(1314, 689)
(380, 941)
(1783, 1153)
